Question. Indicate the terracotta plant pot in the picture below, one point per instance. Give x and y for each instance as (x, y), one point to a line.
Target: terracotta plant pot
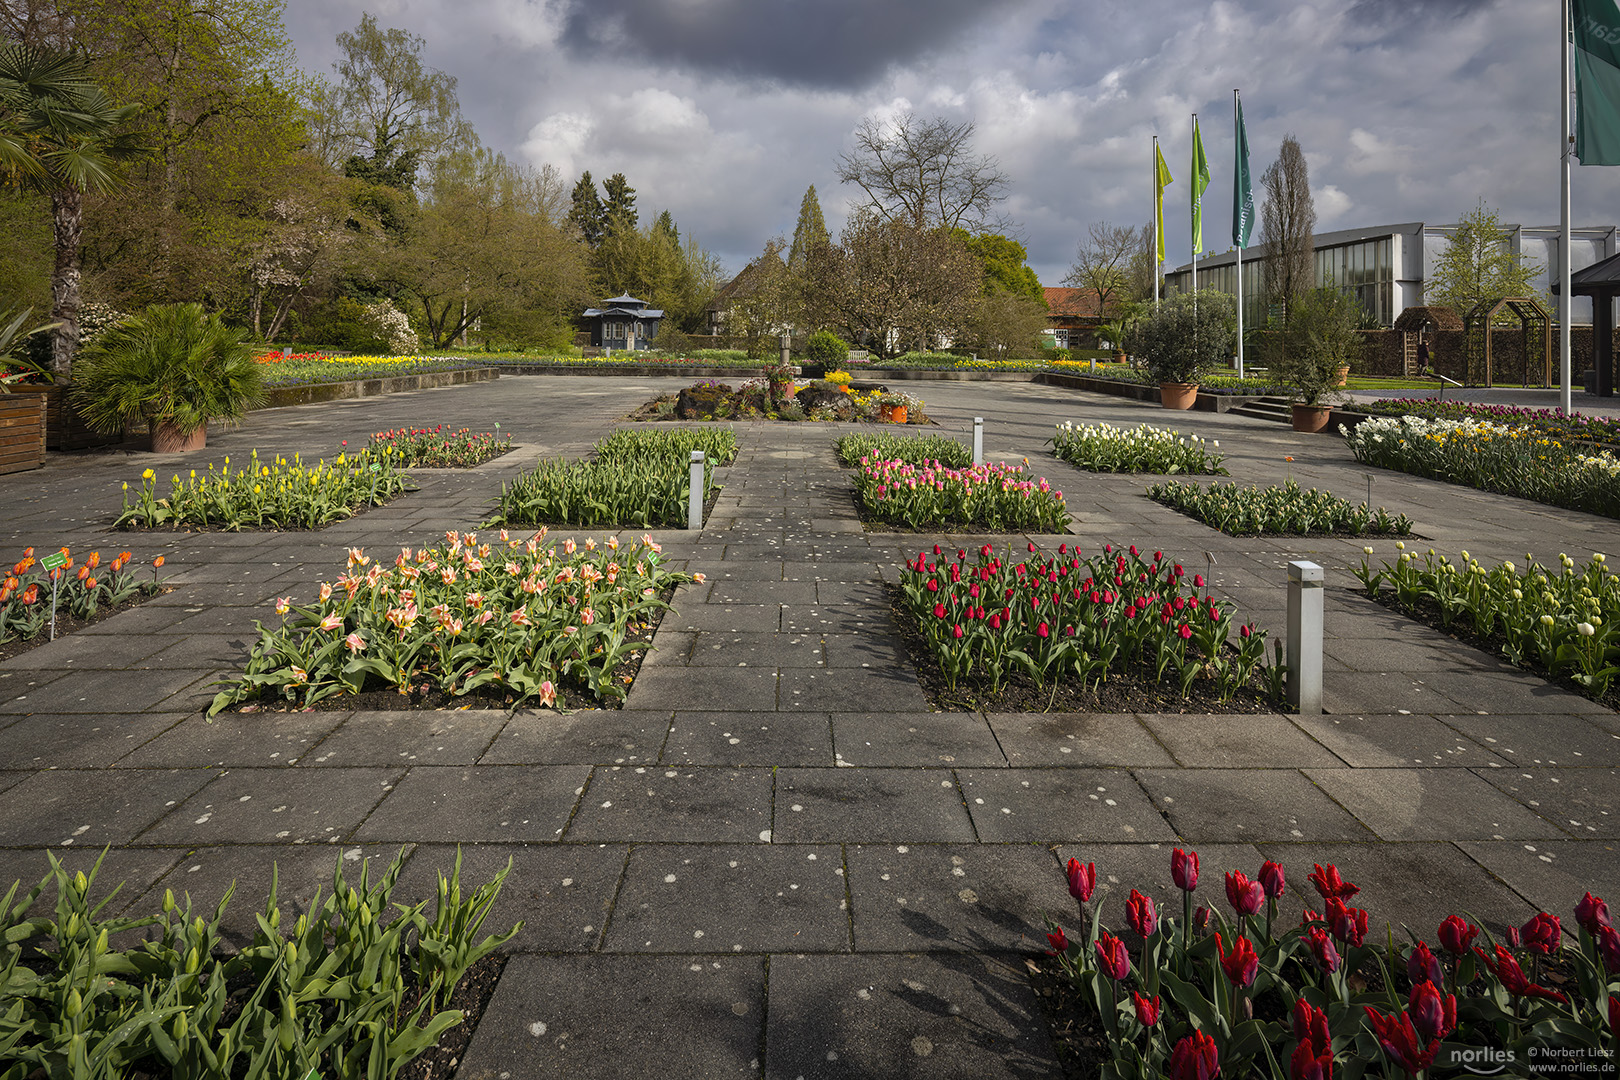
(168, 439)
(1178, 395)
(1311, 419)
(894, 414)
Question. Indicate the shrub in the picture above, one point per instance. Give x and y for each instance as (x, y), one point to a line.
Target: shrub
(281, 495)
(357, 986)
(826, 348)
(1320, 338)
(1276, 511)
(994, 497)
(515, 618)
(1236, 995)
(1186, 335)
(1106, 448)
(391, 326)
(1517, 461)
(911, 449)
(1055, 617)
(1562, 622)
(26, 594)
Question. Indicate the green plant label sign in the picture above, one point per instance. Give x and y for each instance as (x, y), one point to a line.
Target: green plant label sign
(314, 1074)
(54, 561)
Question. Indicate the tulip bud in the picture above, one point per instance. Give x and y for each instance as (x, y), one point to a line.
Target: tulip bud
(1082, 879)
(1141, 914)
(1592, 913)
(1271, 874)
(75, 1004)
(1147, 1009)
(193, 962)
(1184, 869)
(168, 901)
(1059, 941)
(1202, 918)
(81, 884)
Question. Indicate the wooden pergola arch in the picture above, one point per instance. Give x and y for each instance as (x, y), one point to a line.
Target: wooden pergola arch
(1477, 325)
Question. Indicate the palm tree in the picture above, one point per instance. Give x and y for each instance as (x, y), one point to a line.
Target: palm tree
(59, 137)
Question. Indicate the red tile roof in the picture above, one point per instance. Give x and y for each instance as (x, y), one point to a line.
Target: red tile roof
(1073, 303)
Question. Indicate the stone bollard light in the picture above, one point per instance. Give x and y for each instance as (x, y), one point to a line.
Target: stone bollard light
(694, 500)
(978, 440)
(1303, 650)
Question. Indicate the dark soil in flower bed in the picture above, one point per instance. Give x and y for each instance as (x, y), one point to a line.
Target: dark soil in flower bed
(66, 625)
(1428, 613)
(427, 698)
(1121, 693)
(471, 996)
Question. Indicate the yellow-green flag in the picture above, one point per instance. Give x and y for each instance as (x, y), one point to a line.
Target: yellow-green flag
(1200, 181)
(1161, 178)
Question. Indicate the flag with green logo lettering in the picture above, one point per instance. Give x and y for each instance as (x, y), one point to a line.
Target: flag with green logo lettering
(1242, 192)
(1597, 81)
(1200, 181)
(1161, 177)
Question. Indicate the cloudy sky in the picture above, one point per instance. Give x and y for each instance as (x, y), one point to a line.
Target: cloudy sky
(724, 111)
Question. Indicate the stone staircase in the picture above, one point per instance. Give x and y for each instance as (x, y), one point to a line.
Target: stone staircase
(1276, 409)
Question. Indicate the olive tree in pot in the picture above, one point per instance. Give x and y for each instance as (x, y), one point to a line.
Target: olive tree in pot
(1318, 345)
(175, 369)
(1185, 336)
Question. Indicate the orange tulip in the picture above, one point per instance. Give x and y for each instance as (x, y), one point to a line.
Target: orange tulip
(31, 595)
(94, 560)
(157, 562)
(84, 572)
(89, 583)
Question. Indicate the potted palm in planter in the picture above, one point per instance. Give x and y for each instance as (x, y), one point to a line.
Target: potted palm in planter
(1315, 351)
(173, 368)
(1182, 338)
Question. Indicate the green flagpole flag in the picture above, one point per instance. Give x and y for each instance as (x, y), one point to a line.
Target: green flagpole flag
(1242, 193)
(1597, 81)
(1200, 181)
(1161, 178)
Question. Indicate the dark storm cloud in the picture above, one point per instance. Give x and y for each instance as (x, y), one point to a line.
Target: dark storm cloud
(821, 43)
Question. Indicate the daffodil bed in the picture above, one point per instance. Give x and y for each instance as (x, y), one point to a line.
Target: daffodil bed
(511, 622)
(1287, 510)
(1559, 622)
(1144, 448)
(86, 591)
(1507, 459)
(282, 493)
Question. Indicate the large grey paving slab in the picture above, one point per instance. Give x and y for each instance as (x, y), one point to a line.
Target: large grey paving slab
(933, 897)
(92, 808)
(681, 805)
(1551, 875)
(902, 739)
(268, 806)
(91, 652)
(588, 737)
(236, 740)
(1395, 741)
(861, 805)
(78, 740)
(607, 1017)
(930, 1017)
(1585, 803)
(1264, 741)
(886, 689)
(728, 898)
(513, 803)
(1431, 804)
(1543, 740)
(725, 649)
(741, 739)
(1353, 692)
(1248, 806)
(1060, 805)
(726, 618)
(125, 875)
(562, 893)
(1076, 739)
(409, 738)
(734, 688)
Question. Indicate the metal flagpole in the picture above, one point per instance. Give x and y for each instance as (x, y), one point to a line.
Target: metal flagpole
(1239, 264)
(1565, 300)
(1194, 182)
(1158, 211)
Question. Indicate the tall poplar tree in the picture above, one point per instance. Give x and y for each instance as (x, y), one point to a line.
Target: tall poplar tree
(1288, 227)
(809, 233)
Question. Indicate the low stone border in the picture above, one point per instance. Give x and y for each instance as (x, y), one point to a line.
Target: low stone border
(1206, 402)
(278, 397)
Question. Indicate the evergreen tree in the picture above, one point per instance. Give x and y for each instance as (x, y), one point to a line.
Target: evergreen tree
(587, 214)
(809, 233)
(664, 226)
(621, 199)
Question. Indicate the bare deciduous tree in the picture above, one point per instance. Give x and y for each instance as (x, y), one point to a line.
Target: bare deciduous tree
(924, 173)
(1102, 264)
(1287, 224)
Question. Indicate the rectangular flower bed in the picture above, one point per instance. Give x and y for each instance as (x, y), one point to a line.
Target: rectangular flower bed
(1274, 510)
(437, 448)
(280, 494)
(911, 449)
(1106, 448)
(986, 498)
(76, 593)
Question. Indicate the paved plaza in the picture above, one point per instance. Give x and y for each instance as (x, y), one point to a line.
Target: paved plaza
(776, 860)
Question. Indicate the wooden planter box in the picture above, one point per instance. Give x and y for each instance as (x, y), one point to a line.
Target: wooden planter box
(22, 432)
(65, 429)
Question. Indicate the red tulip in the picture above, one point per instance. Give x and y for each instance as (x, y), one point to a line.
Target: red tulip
(1271, 876)
(1082, 879)
(1592, 913)
(1147, 1009)
(1400, 1041)
(1513, 979)
(1614, 1015)
(1113, 958)
(1246, 897)
(1329, 885)
(1195, 1058)
(1433, 1016)
(1201, 918)
(1059, 941)
(1241, 965)
(1311, 1061)
(1541, 933)
(1456, 935)
(1310, 1023)
(1141, 914)
(1608, 943)
(1421, 965)
(1348, 924)
(1184, 869)
(1322, 950)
